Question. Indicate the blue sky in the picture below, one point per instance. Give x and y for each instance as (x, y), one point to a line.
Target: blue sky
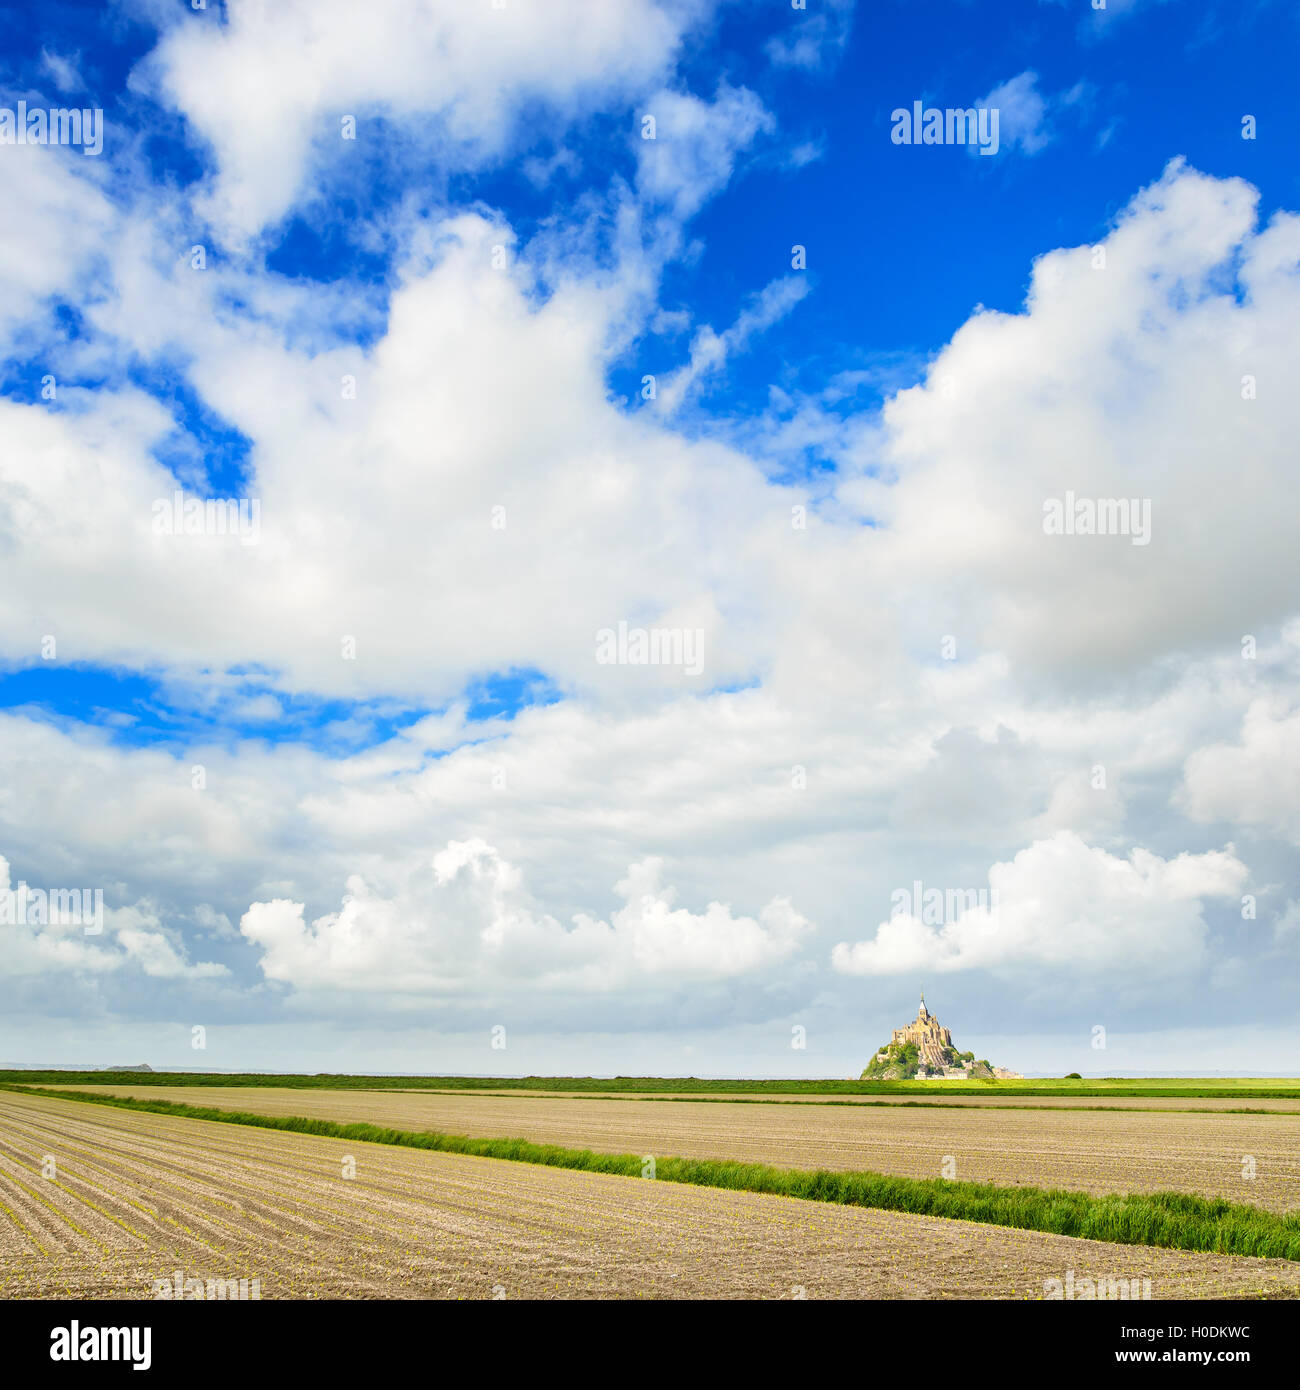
(902, 246)
(421, 351)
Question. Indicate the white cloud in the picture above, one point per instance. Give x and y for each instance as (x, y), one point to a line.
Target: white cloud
(710, 350)
(1255, 781)
(1022, 113)
(1063, 904)
(53, 930)
(54, 221)
(138, 932)
(63, 71)
(1287, 924)
(695, 145)
(403, 481)
(399, 501)
(470, 922)
(487, 388)
(814, 40)
(1117, 382)
(268, 86)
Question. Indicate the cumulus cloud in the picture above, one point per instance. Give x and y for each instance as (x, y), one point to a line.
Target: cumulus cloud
(467, 919)
(1255, 781)
(1128, 375)
(267, 87)
(62, 930)
(410, 470)
(1064, 904)
(54, 218)
(405, 482)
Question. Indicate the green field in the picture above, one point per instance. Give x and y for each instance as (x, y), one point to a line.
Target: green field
(1243, 1088)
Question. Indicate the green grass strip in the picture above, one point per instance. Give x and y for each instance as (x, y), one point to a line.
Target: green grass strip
(1174, 1220)
(1007, 1099)
(668, 1085)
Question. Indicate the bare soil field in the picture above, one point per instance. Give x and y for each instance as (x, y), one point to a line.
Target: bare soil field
(135, 1197)
(938, 1097)
(1087, 1150)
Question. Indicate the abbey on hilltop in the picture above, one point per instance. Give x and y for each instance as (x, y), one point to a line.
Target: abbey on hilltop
(924, 1050)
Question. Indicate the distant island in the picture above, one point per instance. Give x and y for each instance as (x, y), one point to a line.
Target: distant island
(144, 1066)
(924, 1051)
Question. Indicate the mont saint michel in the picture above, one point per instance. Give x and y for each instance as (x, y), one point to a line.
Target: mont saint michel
(924, 1049)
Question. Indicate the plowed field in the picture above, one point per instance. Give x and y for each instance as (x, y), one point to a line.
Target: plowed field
(133, 1197)
(1086, 1150)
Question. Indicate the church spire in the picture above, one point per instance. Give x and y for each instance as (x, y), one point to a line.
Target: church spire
(921, 1013)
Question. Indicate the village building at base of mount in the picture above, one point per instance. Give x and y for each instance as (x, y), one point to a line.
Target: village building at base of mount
(924, 1050)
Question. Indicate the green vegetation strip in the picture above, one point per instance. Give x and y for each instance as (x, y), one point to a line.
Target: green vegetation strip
(102, 1079)
(1174, 1220)
(1251, 1088)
